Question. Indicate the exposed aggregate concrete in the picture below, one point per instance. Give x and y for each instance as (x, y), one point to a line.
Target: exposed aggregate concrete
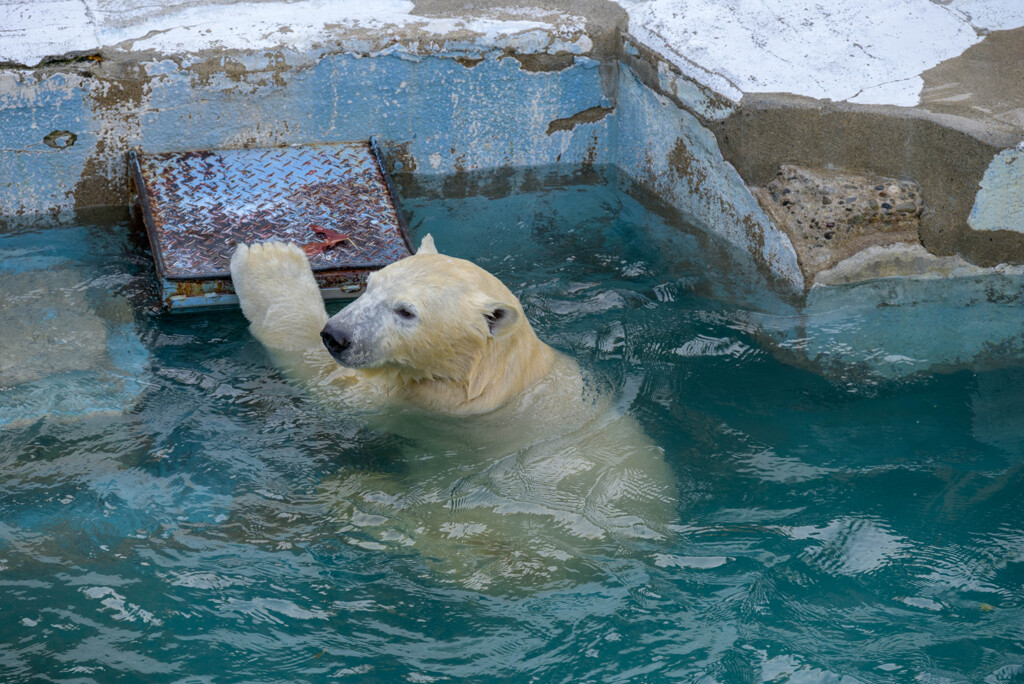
(832, 215)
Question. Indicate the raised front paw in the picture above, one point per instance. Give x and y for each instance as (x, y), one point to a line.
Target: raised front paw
(268, 264)
(275, 286)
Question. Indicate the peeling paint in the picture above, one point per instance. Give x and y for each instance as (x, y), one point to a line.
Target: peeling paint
(585, 117)
(60, 140)
(117, 100)
(999, 204)
(86, 26)
(668, 152)
(545, 62)
(666, 78)
(469, 62)
(684, 165)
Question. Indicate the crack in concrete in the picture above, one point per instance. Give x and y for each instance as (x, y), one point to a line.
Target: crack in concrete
(879, 85)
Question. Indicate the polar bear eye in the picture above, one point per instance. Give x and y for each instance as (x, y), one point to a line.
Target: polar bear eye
(405, 312)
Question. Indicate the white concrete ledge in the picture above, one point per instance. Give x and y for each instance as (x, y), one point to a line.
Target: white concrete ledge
(868, 52)
(34, 31)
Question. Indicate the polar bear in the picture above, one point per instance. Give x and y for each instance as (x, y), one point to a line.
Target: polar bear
(519, 465)
(431, 330)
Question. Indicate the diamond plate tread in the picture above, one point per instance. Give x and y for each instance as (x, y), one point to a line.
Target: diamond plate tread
(198, 205)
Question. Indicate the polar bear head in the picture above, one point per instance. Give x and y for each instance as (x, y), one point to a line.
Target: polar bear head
(435, 319)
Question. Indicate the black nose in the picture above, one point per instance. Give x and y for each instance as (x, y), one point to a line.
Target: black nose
(336, 341)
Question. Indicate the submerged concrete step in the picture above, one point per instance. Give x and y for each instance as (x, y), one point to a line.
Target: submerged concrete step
(335, 200)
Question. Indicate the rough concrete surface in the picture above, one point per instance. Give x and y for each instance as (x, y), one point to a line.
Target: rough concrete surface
(903, 260)
(858, 52)
(946, 158)
(982, 82)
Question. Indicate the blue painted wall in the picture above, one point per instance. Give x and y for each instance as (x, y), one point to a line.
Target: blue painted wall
(441, 114)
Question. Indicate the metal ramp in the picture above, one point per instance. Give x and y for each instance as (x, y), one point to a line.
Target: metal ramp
(334, 199)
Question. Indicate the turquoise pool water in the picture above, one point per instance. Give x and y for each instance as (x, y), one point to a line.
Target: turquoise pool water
(843, 515)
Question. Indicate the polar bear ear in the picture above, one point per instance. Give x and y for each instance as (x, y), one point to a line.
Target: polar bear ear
(501, 319)
(427, 245)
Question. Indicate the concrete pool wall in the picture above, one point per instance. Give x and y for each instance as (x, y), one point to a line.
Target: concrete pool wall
(696, 102)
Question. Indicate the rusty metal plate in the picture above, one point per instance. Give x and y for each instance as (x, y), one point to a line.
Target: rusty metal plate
(333, 199)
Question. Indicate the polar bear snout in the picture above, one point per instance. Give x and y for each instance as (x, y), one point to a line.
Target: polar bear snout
(336, 340)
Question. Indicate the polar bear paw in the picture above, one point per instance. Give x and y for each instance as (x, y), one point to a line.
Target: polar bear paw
(278, 293)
